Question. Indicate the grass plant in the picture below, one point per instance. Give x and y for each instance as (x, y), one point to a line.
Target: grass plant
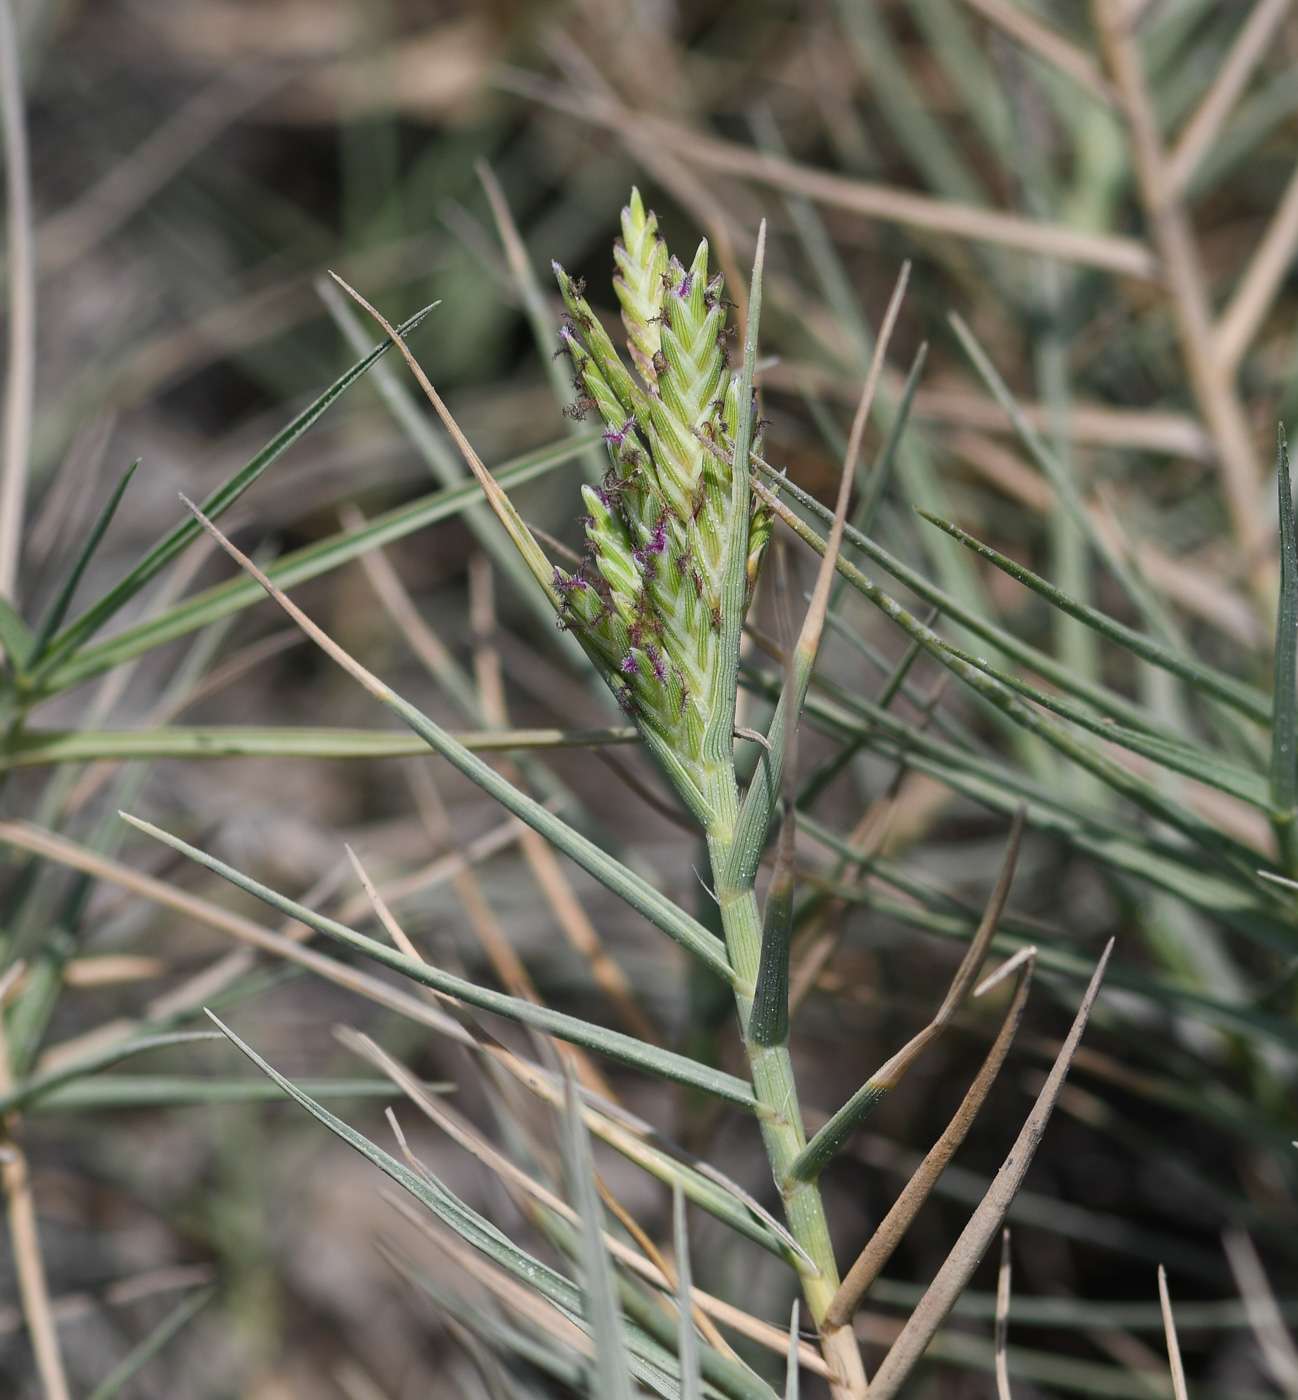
(1066, 507)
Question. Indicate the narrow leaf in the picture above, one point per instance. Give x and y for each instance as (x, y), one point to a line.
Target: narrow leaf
(439, 457)
(112, 1091)
(30, 1091)
(1063, 484)
(881, 477)
(688, 1345)
(522, 537)
(1106, 701)
(425, 1188)
(763, 791)
(707, 1192)
(570, 1028)
(625, 883)
(768, 1023)
(612, 1376)
(1284, 701)
(36, 748)
(15, 638)
(792, 1373)
(1198, 763)
(310, 562)
(567, 1369)
(1222, 687)
(1229, 852)
(214, 506)
(143, 1352)
(59, 607)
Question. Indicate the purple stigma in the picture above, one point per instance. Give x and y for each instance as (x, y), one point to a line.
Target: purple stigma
(629, 667)
(657, 544)
(682, 289)
(656, 661)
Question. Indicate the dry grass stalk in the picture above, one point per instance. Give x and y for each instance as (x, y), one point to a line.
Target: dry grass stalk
(1122, 255)
(1003, 1319)
(1047, 43)
(872, 1259)
(24, 1235)
(20, 377)
(1173, 1345)
(1279, 1353)
(1239, 323)
(203, 911)
(954, 1275)
(1204, 125)
(1173, 235)
(65, 238)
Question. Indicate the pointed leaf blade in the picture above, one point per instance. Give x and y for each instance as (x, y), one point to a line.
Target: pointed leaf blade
(215, 505)
(578, 1032)
(62, 601)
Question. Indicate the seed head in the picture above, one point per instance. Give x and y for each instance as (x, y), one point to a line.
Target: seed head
(660, 532)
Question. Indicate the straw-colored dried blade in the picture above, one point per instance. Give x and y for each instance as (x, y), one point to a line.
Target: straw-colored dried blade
(987, 1218)
(631, 887)
(20, 379)
(1232, 76)
(499, 501)
(894, 1225)
(764, 790)
(603, 1315)
(822, 1148)
(1047, 43)
(1279, 1353)
(1003, 1320)
(381, 910)
(572, 1029)
(1174, 1362)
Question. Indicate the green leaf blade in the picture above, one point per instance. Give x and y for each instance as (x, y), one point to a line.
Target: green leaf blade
(214, 506)
(589, 1036)
(1284, 704)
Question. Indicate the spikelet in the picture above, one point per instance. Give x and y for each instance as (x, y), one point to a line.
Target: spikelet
(647, 604)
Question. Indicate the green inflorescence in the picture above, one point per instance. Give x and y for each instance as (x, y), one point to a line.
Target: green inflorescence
(647, 603)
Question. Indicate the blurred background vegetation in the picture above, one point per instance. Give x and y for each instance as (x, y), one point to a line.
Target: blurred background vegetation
(197, 165)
